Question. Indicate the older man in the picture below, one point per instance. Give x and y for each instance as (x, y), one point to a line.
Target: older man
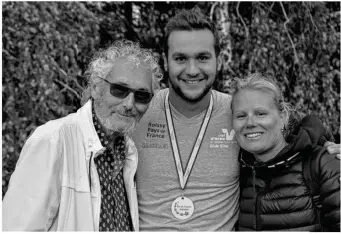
(76, 173)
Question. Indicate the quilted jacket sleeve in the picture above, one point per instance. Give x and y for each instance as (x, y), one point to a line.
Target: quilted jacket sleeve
(32, 199)
(330, 192)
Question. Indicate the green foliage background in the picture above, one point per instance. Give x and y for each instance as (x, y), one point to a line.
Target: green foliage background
(47, 46)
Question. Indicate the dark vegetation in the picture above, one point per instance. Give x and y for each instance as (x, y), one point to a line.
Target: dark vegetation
(47, 46)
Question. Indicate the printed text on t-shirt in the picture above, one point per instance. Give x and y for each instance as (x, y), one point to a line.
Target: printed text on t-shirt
(156, 130)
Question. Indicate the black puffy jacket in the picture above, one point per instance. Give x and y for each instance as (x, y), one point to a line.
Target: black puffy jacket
(274, 195)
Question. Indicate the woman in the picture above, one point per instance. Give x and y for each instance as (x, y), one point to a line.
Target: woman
(274, 194)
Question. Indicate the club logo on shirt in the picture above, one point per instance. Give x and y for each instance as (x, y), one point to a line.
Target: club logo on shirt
(223, 140)
(229, 136)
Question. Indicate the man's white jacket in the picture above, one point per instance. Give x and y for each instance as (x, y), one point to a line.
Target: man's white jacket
(50, 190)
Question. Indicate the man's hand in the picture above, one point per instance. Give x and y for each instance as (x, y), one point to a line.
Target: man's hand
(333, 148)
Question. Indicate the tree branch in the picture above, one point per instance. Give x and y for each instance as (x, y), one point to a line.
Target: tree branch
(68, 87)
(250, 65)
(296, 60)
(64, 74)
(77, 84)
(225, 19)
(311, 18)
(212, 10)
(227, 47)
(9, 55)
(241, 19)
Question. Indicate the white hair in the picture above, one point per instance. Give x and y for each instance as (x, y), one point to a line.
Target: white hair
(104, 60)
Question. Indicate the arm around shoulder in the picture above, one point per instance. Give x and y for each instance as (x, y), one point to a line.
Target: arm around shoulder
(330, 192)
(33, 195)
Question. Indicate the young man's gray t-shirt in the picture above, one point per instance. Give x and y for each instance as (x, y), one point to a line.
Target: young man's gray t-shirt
(213, 184)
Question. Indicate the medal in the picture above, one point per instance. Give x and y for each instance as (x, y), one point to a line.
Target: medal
(182, 208)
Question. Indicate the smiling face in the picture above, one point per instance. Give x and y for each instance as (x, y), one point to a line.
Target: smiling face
(120, 114)
(257, 123)
(191, 63)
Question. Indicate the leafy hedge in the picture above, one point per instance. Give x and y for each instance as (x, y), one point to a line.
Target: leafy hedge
(47, 46)
(297, 42)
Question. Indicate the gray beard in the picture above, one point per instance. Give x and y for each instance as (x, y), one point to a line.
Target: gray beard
(110, 127)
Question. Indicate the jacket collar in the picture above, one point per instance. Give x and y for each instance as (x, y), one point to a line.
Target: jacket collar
(90, 137)
(247, 160)
(308, 133)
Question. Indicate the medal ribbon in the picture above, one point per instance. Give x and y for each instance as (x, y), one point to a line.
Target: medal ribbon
(184, 177)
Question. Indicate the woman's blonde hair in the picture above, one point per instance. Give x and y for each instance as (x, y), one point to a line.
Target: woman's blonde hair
(262, 82)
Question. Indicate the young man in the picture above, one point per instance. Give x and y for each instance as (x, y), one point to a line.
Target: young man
(76, 173)
(188, 173)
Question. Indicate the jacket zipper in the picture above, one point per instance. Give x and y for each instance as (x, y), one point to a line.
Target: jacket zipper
(257, 211)
(253, 179)
(258, 204)
(257, 198)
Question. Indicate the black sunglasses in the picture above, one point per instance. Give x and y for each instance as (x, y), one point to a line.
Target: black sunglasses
(121, 91)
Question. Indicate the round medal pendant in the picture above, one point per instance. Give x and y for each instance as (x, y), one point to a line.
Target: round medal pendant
(182, 208)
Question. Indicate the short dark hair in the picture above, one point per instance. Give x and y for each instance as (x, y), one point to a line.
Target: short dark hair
(190, 20)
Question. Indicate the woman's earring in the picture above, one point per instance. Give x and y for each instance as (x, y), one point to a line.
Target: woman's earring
(283, 128)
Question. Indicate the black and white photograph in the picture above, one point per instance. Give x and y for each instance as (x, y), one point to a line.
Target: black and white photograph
(171, 116)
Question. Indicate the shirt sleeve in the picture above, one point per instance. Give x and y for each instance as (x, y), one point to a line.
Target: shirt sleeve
(33, 195)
